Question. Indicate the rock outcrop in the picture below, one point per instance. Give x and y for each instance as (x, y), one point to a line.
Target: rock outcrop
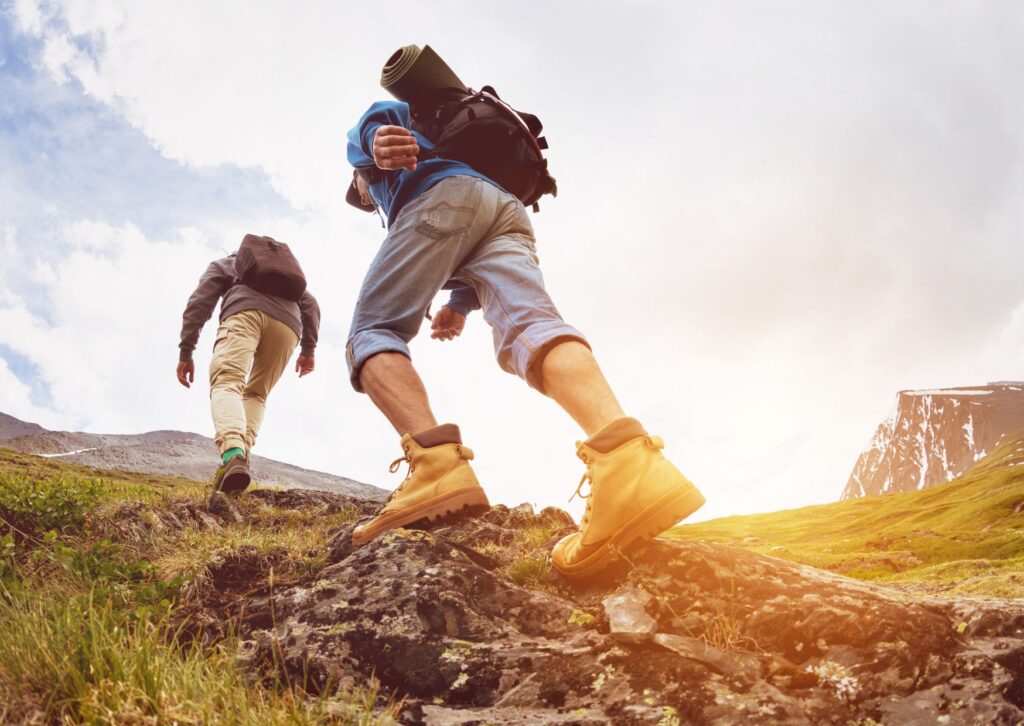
(468, 624)
(935, 436)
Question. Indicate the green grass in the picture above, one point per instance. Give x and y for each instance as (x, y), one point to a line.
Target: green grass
(83, 660)
(85, 622)
(529, 557)
(532, 569)
(15, 463)
(965, 537)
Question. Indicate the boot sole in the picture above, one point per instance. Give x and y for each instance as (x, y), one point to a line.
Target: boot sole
(665, 512)
(463, 501)
(235, 482)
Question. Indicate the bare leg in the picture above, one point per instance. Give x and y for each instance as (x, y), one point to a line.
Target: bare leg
(397, 390)
(570, 375)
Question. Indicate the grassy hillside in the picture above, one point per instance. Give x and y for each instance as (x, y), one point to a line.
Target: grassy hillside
(964, 537)
(93, 614)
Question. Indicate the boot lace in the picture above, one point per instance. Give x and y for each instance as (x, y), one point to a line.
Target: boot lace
(463, 451)
(396, 464)
(586, 479)
(655, 442)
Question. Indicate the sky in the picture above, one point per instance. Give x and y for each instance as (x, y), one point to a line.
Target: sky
(770, 219)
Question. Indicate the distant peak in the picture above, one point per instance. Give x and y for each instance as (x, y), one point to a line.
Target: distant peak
(935, 435)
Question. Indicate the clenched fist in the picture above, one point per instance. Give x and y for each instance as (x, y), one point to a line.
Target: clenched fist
(394, 147)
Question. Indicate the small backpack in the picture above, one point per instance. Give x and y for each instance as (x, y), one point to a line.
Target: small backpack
(484, 132)
(268, 266)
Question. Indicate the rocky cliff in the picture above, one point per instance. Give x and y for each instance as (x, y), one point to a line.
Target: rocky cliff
(467, 624)
(934, 436)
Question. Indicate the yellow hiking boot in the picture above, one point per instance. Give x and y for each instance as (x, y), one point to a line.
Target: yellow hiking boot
(440, 483)
(635, 495)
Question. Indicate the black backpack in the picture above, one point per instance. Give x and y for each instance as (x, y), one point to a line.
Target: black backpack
(268, 266)
(484, 132)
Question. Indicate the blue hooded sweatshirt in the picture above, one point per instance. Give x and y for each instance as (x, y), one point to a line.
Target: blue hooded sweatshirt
(398, 188)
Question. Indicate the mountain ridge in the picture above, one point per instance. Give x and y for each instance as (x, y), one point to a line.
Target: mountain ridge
(934, 435)
(11, 427)
(165, 452)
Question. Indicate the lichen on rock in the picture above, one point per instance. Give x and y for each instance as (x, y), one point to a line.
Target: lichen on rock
(679, 632)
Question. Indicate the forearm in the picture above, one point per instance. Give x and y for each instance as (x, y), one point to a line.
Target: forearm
(310, 311)
(463, 300)
(200, 308)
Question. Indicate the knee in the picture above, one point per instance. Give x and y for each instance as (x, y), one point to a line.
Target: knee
(227, 377)
(523, 351)
(251, 395)
(560, 358)
(381, 367)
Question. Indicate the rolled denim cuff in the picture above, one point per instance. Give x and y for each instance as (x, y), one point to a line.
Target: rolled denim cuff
(364, 345)
(533, 344)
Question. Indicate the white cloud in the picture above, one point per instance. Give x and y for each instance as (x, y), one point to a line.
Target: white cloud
(769, 222)
(1002, 357)
(28, 16)
(99, 353)
(58, 55)
(16, 396)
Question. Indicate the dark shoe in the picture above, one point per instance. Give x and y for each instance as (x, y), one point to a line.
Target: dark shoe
(233, 477)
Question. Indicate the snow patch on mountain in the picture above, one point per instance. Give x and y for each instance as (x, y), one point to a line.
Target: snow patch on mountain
(934, 435)
(67, 453)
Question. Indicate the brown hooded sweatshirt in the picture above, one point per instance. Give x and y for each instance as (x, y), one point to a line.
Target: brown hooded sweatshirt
(219, 281)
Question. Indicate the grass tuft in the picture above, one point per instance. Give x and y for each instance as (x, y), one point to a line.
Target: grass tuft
(532, 569)
(82, 660)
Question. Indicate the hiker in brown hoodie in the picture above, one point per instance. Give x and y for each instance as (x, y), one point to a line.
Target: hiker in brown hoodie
(258, 333)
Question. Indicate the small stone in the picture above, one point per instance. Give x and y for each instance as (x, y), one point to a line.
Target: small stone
(627, 615)
(697, 650)
(223, 507)
(205, 521)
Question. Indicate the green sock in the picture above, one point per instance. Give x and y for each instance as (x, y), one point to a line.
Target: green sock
(231, 454)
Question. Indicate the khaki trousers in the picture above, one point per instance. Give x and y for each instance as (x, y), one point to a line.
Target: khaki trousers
(249, 356)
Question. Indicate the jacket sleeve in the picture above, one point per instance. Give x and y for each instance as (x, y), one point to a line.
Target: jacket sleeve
(360, 138)
(463, 299)
(212, 285)
(310, 311)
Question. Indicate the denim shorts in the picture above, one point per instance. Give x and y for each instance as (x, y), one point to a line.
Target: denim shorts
(463, 230)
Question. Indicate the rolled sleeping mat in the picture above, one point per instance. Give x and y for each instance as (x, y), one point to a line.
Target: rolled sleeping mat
(420, 77)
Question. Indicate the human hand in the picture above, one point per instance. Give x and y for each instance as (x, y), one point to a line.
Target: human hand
(447, 324)
(186, 373)
(305, 364)
(394, 147)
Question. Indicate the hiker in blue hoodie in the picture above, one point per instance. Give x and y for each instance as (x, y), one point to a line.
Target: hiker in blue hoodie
(451, 227)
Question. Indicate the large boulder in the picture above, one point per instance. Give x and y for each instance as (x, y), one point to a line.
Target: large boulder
(455, 623)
